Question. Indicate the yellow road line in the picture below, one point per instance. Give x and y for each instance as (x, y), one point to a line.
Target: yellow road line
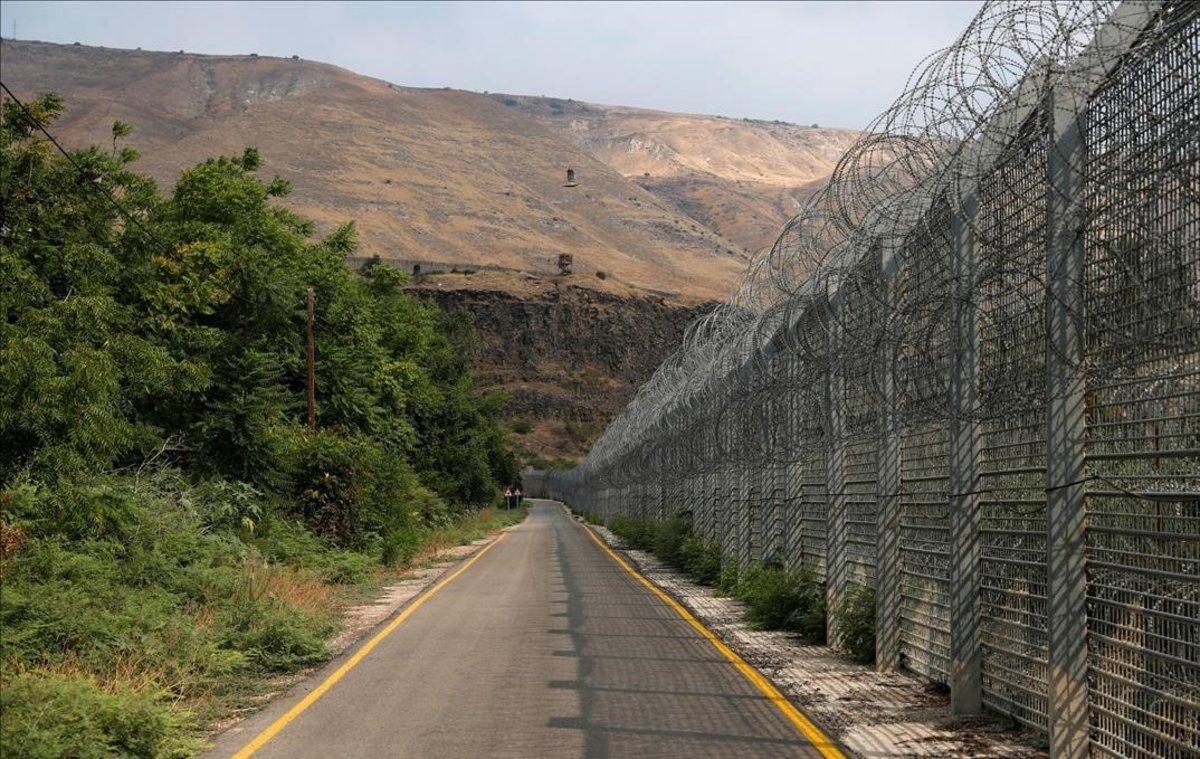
(811, 732)
(261, 739)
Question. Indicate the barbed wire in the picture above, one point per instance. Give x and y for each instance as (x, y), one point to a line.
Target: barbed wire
(964, 127)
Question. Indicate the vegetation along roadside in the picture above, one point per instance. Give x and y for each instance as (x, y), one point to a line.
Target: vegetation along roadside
(776, 598)
(172, 538)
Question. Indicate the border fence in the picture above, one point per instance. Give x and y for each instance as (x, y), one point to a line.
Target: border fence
(968, 376)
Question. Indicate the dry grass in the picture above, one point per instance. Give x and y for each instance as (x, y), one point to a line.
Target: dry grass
(289, 585)
(130, 674)
(467, 530)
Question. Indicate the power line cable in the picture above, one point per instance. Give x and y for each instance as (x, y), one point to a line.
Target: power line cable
(83, 173)
(91, 181)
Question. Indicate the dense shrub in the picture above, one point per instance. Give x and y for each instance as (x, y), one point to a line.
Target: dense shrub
(672, 541)
(776, 598)
(808, 618)
(89, 720)
(400, 546)
(781, 599)
(668, 538)
(855, 623)
(117, 591)
(771, 595)
(701, 560)
(635, 533)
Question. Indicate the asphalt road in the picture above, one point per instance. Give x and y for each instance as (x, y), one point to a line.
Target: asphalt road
(543, 647)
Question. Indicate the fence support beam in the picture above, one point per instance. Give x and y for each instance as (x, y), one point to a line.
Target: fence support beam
(1066, 588)
(771, 523)
(887, 561)
(775, 536)
(835, 545)
(966, 671)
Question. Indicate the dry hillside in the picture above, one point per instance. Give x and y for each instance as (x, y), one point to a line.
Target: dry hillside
(666, 204)
(434, 175)
(742, 178)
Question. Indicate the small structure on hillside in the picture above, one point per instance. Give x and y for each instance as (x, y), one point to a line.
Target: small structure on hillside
(564, 263)
(570, 179)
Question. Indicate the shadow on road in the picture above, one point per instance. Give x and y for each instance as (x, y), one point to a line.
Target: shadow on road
(648, 684)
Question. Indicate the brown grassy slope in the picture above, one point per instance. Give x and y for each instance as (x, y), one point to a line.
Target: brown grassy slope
(440, 175)
(741, 178)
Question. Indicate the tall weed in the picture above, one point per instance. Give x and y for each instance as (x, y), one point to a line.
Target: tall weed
(855, 623)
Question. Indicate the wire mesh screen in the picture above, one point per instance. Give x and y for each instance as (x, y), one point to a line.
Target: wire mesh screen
(860, 315)
(1142, 245)
(925, 551)
(813, 507)
(923, 378)
(861, 471)
(1010, 239)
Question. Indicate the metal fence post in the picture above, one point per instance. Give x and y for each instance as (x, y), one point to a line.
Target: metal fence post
(779, 473)
(835, 546)
(737, 507)
(887, 561)
(1066, 587)
(713, 494)
(966, 670)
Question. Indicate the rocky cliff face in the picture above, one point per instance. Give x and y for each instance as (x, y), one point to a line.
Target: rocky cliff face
(569, 357)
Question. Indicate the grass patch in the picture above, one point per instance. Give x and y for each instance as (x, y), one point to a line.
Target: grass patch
(701, 560)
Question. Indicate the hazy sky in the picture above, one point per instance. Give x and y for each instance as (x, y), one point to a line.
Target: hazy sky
(836, 63)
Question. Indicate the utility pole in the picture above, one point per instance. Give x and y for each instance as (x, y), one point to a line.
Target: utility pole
(312, 364)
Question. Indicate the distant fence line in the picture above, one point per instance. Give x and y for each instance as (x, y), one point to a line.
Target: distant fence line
(423, 266)
(968, 376)
(418, 267)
